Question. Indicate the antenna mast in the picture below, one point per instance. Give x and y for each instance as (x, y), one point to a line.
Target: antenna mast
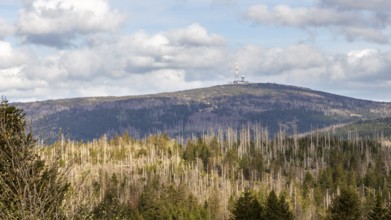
(242, 80)
(237, 71)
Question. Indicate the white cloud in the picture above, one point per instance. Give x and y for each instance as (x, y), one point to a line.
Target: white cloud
(189, 48)
(143, 63)
(57, 22)
(366, 34)
(182, 58)
(176, 59)
(5, 50)
(364, 22)
(195, 35)
(12, 71)
(163, 80)
(378, 5)
(304, 17)
(369, 64)
(5, 28)
(9, 57)
(302, 65)
(271, 61)
(14, 79)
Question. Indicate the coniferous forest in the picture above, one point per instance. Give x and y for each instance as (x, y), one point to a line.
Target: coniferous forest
(222, 174)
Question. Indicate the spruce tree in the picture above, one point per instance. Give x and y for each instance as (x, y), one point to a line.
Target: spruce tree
(346, 206)
(377, 212)
(247, 207)
(285, 212)
(272, 206)
(29, 189)
(277, 208)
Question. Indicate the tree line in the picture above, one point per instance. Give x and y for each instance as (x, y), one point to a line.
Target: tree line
(222, 175)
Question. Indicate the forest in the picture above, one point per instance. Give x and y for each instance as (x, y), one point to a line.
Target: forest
(221, 174)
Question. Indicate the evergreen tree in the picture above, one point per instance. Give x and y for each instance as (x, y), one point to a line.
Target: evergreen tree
(169, 202)
(247, 207)
(387, 212)
(29, 189)
(285, 212)
(213, 205)
(272, 206)
(377, 212)
(277, 208)
(111, 208)
(346, 206)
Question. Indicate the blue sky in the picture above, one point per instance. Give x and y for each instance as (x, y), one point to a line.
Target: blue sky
(53, 49)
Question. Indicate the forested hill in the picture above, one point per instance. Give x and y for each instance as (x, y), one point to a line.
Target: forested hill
(194, 111)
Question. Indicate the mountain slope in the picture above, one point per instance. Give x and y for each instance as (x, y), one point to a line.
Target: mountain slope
(198, 110)
(380, 127)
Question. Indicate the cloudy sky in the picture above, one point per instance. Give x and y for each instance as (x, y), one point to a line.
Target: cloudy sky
(53, 49)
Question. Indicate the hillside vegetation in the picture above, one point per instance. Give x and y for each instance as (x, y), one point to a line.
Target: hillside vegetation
(227, 174)
(367, 128)
(196, 111)
(215, 175)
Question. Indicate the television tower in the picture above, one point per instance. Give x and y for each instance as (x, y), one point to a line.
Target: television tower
(242, 80)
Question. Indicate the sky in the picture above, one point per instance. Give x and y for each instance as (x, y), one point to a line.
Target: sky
(54, 49)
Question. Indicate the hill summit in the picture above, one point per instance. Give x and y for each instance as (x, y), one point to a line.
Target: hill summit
(190, 112)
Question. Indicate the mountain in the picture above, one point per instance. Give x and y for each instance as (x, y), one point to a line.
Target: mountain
(195, 111)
